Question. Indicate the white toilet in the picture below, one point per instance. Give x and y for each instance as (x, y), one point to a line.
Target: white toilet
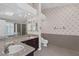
(44, 42)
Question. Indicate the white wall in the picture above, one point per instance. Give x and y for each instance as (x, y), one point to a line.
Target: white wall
(59, 17)
(2, 27)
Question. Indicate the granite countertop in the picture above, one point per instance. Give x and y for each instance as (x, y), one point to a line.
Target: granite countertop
(27, 49)
(17, 40)
(21, 38)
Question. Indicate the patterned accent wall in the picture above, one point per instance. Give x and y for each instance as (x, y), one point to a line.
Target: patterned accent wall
(62, 20)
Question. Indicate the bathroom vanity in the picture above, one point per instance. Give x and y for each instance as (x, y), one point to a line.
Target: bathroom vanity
(33, 42)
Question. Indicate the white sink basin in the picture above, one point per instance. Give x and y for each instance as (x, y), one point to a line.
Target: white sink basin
(15, 48)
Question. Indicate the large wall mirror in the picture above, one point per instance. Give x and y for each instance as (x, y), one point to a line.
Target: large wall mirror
(32, 27)
(16, 29)
(10, 28)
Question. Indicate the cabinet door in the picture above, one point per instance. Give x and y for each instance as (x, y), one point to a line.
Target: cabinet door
(33, 42)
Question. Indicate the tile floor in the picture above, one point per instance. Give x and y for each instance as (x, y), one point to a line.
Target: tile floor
(53, 50)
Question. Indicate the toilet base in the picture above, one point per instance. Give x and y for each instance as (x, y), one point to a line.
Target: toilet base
(44, 42)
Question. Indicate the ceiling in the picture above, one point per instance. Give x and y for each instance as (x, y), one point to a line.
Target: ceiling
(20, 12)
(16, 12)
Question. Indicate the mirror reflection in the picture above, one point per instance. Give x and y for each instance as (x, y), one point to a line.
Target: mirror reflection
(11, 29)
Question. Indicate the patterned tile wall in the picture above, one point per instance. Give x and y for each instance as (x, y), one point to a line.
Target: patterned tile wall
(62, 20)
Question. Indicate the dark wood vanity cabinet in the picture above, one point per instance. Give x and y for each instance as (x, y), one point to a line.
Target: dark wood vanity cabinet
(32, 42)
